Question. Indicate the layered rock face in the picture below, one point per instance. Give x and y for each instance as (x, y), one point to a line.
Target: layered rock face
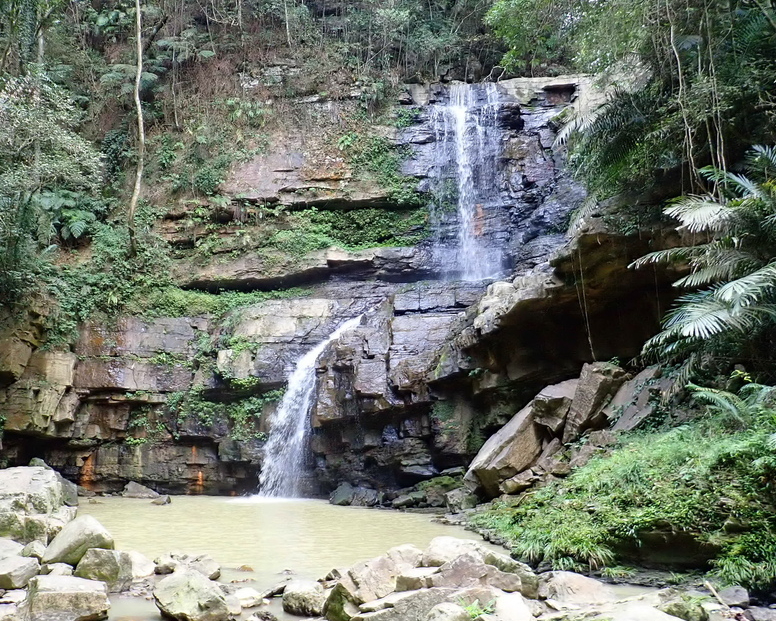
(181, 403)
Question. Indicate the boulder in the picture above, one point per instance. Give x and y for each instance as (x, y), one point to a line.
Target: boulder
(8, 547)
(16, 571)
(202, 563)
(447, 611)
(187, 595)
(303, 598)
(757, 613)
(512, 449)
(501, 606)
(66, 598)
(34, 549)
(75, 539)
(735, 596)
(29, 498)
(413, 605)
(598, 382)
(162, 500)
(552, 404)
(442, 550)
(343, 495)
(469, 570)
(458, 500)
(142, 566)
(414, 579)
(249, 597)
(637, 612)
(566, 587)
(135, 490)
(56, 569)
(112, 567)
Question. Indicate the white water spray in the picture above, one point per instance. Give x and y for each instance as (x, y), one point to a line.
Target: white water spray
(285, 450)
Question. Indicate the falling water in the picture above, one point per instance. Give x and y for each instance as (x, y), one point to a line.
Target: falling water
(284, 453)
(469, 140)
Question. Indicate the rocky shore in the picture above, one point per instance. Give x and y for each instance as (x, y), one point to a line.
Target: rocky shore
(55, 566)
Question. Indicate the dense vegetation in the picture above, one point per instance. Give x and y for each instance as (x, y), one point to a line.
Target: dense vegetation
(712, 477)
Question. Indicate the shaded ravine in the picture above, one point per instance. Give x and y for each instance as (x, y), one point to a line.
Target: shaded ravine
(285, 451)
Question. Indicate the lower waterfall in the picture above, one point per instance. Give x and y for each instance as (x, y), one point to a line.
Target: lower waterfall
(284, 453)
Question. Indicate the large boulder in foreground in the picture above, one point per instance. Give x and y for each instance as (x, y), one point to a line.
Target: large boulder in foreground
(112, 567)
(32, 504)
(303, 598)
(75, 539)
(187, 595)
(65, 598)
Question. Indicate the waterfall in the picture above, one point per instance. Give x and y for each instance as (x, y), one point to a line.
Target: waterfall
(284, 452)
(468, 136)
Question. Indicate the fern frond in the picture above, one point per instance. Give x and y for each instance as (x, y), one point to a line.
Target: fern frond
(670, 255)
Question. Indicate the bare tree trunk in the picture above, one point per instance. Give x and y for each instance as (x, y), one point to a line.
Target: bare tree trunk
(140, 134)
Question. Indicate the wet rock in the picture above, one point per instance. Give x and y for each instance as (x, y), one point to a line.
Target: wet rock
(343, 495)
(567, 587)
(112, 567)
(187, 595)
(735, 596)
(447, 611)
(135, 490)
(304, 598)
(75, 539)
(66, 598)
(16, 571)
(162, 500)
(685, 608)
(233, 605)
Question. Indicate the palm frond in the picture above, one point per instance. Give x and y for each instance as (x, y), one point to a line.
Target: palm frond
(750, 289)
(670, 255)
(700, 214)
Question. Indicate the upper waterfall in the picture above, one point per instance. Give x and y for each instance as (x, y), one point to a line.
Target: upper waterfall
(284, 452)
(469, 144)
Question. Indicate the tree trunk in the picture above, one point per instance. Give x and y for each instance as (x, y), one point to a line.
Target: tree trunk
(140, 135)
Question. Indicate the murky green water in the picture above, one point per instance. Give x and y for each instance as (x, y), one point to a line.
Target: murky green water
(309, 537)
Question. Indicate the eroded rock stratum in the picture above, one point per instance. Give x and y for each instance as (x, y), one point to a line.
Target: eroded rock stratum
(436, 366)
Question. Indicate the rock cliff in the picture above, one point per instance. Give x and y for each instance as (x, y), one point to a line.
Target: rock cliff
(437, 365)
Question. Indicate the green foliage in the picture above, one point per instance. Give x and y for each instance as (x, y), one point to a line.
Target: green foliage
(171, 301)
(46, 173)
(737, 307)
(355, 229)
(692, 478)
(242, 416)
(376, 157)
(475, 609)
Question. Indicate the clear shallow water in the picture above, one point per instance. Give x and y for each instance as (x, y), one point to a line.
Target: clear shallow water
(270, 535)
